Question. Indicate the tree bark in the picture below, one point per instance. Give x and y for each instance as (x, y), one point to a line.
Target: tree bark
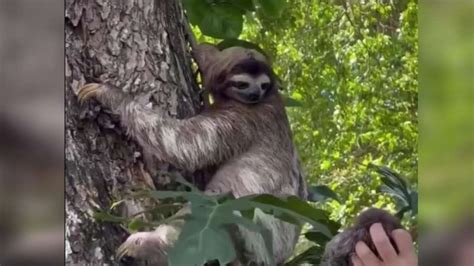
(137, 45)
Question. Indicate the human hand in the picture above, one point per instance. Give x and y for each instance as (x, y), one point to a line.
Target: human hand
(389, 256)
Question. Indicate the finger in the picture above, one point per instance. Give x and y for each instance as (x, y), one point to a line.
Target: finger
(356, 261)
(404, 241)
(382, 242)
(366, 255)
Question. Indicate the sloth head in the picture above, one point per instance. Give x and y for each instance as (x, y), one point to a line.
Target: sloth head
(236, 73)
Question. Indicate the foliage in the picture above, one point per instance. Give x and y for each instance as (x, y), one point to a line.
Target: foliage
(205, 237)
(406, 198)
(392, 184)
(224, 18)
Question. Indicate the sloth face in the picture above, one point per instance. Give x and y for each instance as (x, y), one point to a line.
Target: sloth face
(248, 89)
(249, 80)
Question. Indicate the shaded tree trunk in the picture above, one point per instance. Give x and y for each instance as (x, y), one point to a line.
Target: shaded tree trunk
(138, 45)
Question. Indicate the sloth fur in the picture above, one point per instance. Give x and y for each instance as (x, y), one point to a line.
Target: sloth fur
(339, 250)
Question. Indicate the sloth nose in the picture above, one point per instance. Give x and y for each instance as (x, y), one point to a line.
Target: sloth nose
(254, 96)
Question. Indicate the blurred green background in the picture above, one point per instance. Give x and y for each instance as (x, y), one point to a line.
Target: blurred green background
(446, 112)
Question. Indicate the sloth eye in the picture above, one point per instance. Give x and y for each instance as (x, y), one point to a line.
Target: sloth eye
(241, 85)
(265, 86)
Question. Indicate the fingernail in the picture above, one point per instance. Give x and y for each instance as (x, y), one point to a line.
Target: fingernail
(377, 226)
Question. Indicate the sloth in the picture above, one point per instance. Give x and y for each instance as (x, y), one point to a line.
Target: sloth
(339, 250)
(244, 135)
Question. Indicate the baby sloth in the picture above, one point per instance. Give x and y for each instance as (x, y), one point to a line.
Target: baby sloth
(339, 250)
(244, 135)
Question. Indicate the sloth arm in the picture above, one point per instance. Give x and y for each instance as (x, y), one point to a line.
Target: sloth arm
(193, 143)
(206, 139)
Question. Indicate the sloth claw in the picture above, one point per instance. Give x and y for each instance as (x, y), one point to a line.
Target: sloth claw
(143, 245)
(89, 90)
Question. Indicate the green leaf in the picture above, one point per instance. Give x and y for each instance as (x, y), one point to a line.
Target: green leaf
(325, 164)
(246, 5)
(219, 20)
(311, 256)
(291, 102)
(107, 217)
(321, 193)
(193, 196)
(136, 224)
(199, 242)
(290, 208)
(253, 225)
(392, 177)
(180, 179)
(317, 237)
(397, 194)
(394, 184)
(401, 212)
(414, 203)
(115, 204)
(272, 8)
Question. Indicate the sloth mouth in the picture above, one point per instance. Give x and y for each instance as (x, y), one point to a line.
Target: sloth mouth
(252, 98)
(251, 101)
(248, 98)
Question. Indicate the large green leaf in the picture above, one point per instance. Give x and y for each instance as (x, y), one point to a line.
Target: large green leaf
(199, 242)
(272, 8)
(253, 225)
(205, 237)
(246, 5)
(137, 224)
(108, 217)
(317, 237)
(219, 20)
(311, 256)
(290, 209)
(396, 186)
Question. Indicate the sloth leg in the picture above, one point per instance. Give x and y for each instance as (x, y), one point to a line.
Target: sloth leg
(153, 246)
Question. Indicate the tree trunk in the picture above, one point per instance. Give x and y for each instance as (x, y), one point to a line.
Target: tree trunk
(137, 45)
